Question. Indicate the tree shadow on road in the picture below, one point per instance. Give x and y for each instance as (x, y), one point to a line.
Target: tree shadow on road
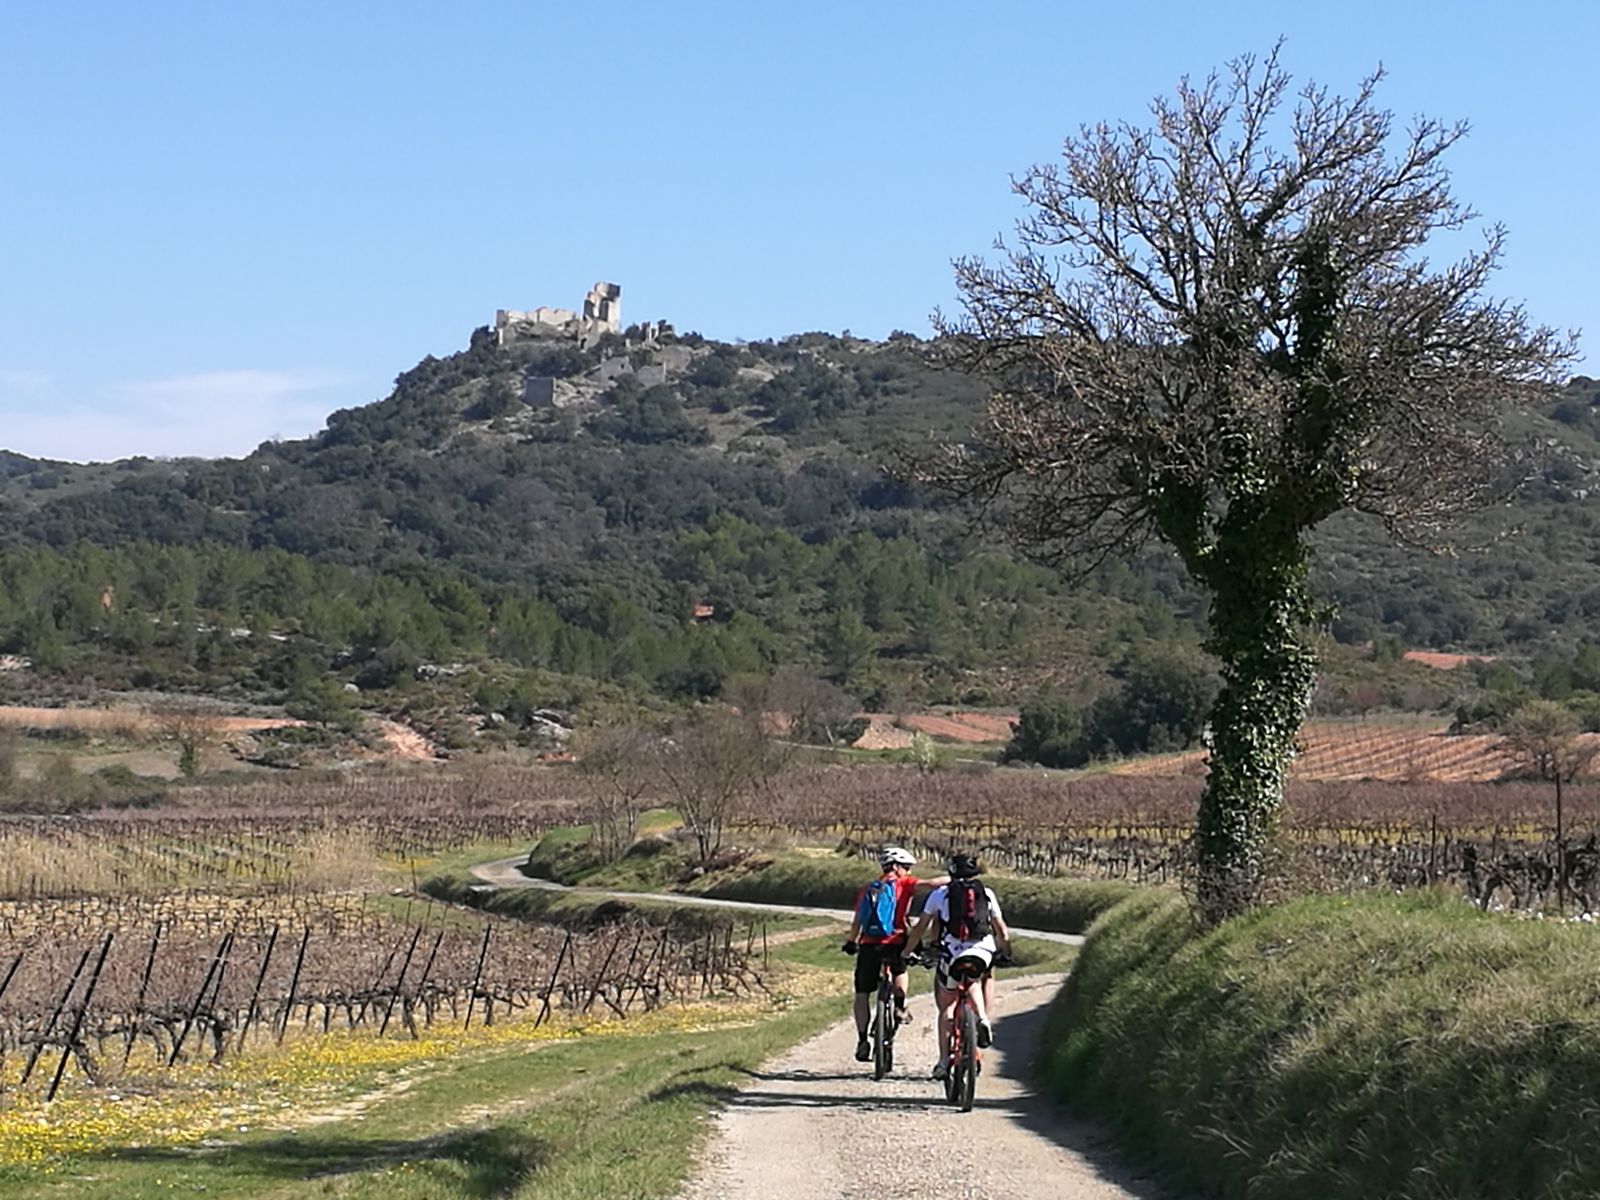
(1022, 1035)
(736, 1098)
(803, 1076)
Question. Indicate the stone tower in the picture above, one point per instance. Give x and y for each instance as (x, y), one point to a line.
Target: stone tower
(603, 306)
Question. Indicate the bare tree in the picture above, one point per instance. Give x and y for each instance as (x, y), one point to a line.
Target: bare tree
(816, 711)
(193, 732)
(715, 759)
(617, 763)
(1217, 332)
(1364, 697)
(1543, 736)
(10, 762)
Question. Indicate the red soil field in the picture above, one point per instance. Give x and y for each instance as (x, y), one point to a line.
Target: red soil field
(1441, 661)
(126, 720)
(1393, 753)
(886, 731)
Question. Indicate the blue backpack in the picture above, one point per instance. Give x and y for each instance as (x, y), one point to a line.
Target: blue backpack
(876, 910)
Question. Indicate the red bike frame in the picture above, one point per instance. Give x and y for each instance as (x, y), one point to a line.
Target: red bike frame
(961, 1044)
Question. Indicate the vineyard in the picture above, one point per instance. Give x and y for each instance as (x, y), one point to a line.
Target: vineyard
(1337, 750)
(310, 835)
(239, 917)
(135, 998)
(1494, 841)
(132, 943)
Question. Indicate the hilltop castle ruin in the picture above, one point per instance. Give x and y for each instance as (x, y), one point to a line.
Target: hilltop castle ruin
(602, 313)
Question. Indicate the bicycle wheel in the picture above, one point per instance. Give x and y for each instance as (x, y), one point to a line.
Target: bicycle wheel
(952, 1075)
(883, 1033)
(969, 1057)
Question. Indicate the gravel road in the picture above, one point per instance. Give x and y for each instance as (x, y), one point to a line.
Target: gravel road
(812, 1125)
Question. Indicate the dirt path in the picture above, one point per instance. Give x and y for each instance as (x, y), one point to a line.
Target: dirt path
(400, 741)
(813, 1126)
(505, 873)
(130, 721)
(405, 742)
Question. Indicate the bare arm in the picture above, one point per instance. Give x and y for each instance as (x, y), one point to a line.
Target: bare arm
(924, 888)
(917, 930)
(1002, 936)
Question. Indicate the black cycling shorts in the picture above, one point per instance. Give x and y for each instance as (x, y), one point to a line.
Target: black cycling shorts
(870, 956)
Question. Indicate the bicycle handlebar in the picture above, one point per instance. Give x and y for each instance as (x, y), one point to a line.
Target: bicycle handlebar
(922, 958)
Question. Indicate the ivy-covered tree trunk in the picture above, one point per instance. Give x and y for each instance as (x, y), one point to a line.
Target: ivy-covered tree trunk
(1260, 614)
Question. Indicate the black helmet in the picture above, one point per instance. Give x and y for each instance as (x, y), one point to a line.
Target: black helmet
(964, 866)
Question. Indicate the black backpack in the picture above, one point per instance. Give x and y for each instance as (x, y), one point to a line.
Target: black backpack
(969, 910)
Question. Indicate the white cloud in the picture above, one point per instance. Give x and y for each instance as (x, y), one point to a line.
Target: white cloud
(209, 413)
(25, 383)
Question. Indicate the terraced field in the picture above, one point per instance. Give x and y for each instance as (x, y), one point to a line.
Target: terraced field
(1340, 750)
(887, 731)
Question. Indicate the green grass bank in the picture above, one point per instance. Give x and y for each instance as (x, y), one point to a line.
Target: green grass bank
(1410, 1048)
(583, 911)
(791, 877)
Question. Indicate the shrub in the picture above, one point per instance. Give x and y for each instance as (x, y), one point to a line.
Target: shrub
(1048, 731)
(1161, 704)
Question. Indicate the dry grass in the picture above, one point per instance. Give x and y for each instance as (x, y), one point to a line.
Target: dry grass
(126, 722)
(28, 862)
(337, 860)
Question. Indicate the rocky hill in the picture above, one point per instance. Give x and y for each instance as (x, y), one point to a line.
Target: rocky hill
(659, 512)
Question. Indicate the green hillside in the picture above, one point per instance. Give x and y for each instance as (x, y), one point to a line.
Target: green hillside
(467, 519)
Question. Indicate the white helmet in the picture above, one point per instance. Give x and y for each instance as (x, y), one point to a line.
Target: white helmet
(891, 856)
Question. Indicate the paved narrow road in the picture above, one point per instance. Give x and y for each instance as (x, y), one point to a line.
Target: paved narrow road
(507, 873)
(812, 1125)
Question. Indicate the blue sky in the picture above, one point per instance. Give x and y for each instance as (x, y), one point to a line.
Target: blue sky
(219, 222)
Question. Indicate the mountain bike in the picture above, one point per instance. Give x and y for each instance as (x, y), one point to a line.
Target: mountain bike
(961, 1046)
(966, 1061)
(884, 1022)
(886, 1015)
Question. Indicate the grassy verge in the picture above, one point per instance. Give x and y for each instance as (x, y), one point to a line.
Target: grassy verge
(1399, 1047)
(615, 1114)
(653, 863)
(579, 911)
(825, 880)
(1058, 905)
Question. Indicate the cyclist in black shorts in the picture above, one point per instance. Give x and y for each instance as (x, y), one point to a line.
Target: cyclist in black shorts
(873, 943)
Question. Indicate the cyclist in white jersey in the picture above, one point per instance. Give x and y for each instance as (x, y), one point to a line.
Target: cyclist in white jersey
(979, 945)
